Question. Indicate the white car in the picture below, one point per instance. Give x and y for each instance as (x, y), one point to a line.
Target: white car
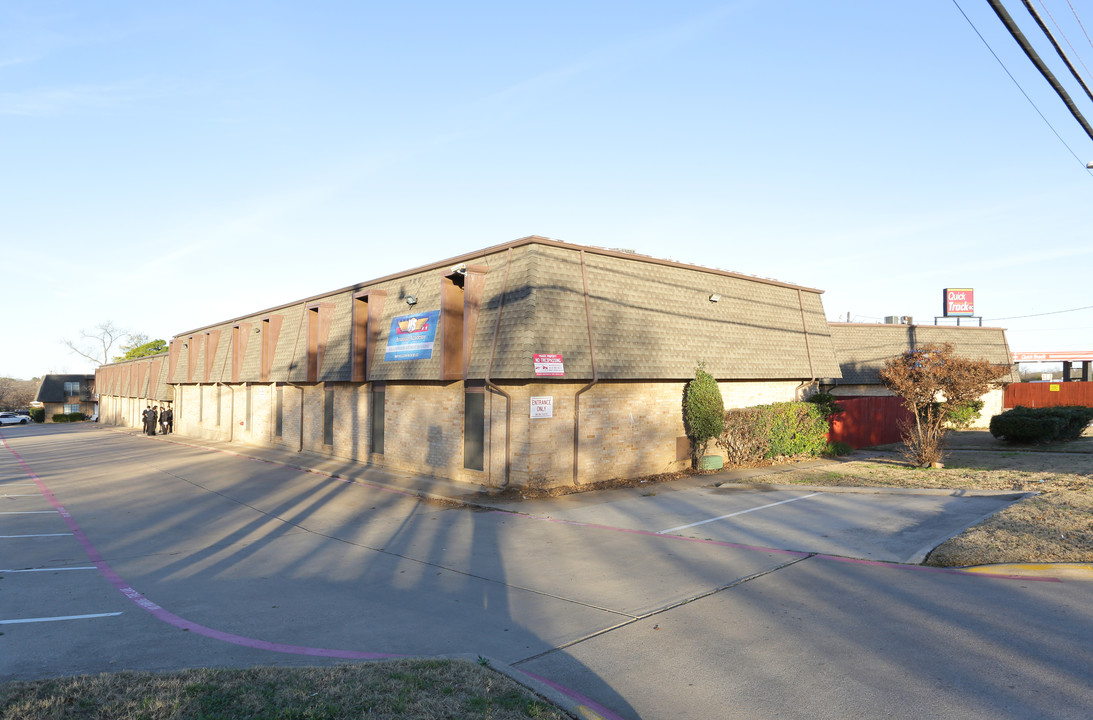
(10, 418)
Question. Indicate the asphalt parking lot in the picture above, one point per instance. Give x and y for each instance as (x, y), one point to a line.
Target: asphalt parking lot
(127, 552)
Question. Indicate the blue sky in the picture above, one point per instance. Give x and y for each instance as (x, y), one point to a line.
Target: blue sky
(241, 155)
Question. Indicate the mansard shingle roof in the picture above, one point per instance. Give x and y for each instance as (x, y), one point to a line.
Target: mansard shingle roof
(645, 319)
(862, 349)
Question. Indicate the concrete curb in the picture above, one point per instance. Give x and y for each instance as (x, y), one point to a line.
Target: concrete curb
(569, 701)
(880, 490)
(1061, 571)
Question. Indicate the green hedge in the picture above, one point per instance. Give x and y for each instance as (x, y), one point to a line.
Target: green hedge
(38, 415)
(787, 429)
(1034, 425)
(67, 417)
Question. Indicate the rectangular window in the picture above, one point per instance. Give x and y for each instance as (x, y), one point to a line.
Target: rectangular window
(474, 427)
(72, 408)
(378, 396)
(72, 389)
(279, 418)
(328, 416)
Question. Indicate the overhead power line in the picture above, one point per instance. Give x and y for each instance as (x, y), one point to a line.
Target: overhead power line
(1054, 312)
(1023, 42)
(1058, 49)
(1080, 24)
(1062, 32)
(1011, 77)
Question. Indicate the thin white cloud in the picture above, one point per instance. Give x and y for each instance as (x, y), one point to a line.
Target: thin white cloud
(52, 101)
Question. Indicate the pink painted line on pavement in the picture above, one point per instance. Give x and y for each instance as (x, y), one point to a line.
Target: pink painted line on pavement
(170, 618)
(165, 615)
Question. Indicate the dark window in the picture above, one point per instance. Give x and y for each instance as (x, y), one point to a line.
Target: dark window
(474, 428)
(378, 396)
(279, 418)
(328, 417)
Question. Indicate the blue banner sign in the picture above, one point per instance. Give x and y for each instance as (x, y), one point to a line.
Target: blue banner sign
(412, 337)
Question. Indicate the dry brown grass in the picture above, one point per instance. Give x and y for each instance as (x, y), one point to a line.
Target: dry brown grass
(424, 689)
(1056, 525)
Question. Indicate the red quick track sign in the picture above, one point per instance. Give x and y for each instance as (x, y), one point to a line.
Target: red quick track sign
(959, 302)
(548, 365)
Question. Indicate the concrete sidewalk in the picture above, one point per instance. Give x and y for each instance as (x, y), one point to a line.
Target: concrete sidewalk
(448, 491)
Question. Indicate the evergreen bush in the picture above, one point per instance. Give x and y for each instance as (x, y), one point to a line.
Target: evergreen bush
(703, 412)
(1034, 425)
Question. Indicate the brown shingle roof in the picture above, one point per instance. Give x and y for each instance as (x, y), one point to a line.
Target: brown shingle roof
(651, 319)
(863, 349)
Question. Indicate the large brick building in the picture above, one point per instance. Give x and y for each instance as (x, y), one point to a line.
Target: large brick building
(534, 363)
(434, 370)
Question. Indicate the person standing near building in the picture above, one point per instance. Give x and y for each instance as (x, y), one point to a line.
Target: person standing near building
(169, 422)
(144, 417)
(153, 416)
(163, 421)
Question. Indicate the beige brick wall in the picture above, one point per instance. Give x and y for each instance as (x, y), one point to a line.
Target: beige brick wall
(627, 429)
(123, 411)
(748, 394)
(992, 405)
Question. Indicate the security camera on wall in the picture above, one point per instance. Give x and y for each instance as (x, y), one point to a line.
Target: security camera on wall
(460, 269)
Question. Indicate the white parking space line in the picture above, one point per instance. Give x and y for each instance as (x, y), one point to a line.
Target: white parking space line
(740, 512)
(60, 617)
(10, 537)
(30, 512)
(8, 495)
(58, 569)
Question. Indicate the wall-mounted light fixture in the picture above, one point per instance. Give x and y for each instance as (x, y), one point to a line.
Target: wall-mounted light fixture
(257, 330)
(714, 297)
(411, 300)
(185, 345)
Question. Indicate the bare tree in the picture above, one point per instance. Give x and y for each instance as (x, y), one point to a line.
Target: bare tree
(17, 394)
(96, 345)
(934, 384)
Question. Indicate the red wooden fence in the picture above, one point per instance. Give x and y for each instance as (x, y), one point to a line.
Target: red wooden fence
(868, 421)
(1042, 394)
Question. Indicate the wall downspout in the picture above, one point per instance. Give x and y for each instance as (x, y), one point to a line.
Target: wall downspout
(491, 384)
(231, 425)
(595, 375)
(799, 392)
